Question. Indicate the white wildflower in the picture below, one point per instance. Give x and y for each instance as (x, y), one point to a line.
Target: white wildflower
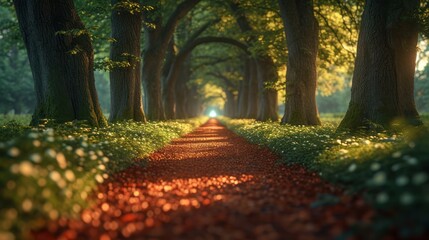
(352, 167)
(13, 152)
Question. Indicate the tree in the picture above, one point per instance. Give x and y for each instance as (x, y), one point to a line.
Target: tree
(125, 81)
(180, 59)
(182, 90)
(301, 29)
(230, 89)
(174, 66)
(243, 93)
(61, 58)
(157, 38)
(382, 85)
(267, 96)
(266, 74)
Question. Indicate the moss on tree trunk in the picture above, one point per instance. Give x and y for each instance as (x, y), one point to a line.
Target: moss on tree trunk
(382, 86)
(61, 62)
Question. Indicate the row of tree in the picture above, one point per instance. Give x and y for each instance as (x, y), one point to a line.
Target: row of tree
(61, 55)
(383, 78)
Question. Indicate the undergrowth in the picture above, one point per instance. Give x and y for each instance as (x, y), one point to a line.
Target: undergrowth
(390, 169)
(48, 172)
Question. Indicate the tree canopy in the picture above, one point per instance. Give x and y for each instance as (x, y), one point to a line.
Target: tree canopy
(189, 44)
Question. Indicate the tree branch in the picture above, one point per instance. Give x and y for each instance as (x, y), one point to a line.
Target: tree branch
(227, 82)
(181, 10)
(201, 30)
(211, 39)
(214, 62)
(335, 32)
(241, 19)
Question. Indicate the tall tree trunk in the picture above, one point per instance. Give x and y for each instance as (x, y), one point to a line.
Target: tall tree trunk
(193, 102)
(267, 94)
(170, 87)
(61, 62)
(156, 44)
(174, 65)
(182, 90)
(169, 59)
(243, 94)
(382, 85)
(151, 76)
(125, 82)
(230, 106)
(261, 102)
(252, 107)
(168, 91)
(302, 29)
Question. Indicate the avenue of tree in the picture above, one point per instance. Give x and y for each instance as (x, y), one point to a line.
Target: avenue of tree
(159, 53)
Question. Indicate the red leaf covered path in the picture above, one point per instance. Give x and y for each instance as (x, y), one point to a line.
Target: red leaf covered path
(212, 184)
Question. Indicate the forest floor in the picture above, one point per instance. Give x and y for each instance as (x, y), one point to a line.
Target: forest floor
(213, 184)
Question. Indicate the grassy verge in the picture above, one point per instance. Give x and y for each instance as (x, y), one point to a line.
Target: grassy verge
(47, 173)
(391, 169)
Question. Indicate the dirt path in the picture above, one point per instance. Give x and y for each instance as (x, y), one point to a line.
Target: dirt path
(212, 184)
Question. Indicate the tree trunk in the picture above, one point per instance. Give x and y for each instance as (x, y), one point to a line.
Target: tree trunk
(125, 82)
(243, 95)
(155, 47)
(267, 94)
(301, 28)
(170, 87)
(157, 39)
(252, 107)
(382, 85)
(61, 62)
(193, 102)
(182, 91)
(261, 102)
(174, 65)
(151, 75)
(168, 91)
(230, 104)
(169, 59)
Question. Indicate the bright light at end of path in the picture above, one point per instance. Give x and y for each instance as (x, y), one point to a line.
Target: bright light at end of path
(212, 114)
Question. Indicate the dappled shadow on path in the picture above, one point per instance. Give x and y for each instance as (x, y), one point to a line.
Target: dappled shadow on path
(212, 184)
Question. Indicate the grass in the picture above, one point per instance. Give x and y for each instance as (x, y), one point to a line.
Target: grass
(21, 119)
(390, 169)
(48, 172)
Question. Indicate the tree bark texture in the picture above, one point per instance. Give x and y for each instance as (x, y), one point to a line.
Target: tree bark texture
(61, 62)
(168, 100)
(182, 90)
(125, 82)
(169, 58)
(301, 28)
(193, 102)
(230, 106)
(156, 44)
(267, 94)
(243, 92)
(252, 104)
(153, 55)
(382, 85)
